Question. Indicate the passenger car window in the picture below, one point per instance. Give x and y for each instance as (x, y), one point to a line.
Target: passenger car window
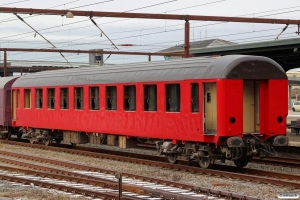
(8, 96)
(39, 98)
(129, 98)
(18, 99)
(172, 97)
(51, 98)
(27, 98)
(94, 98)
(78, 98)
(150, 97)
(64, 98)
(111, 98)
(195, 97)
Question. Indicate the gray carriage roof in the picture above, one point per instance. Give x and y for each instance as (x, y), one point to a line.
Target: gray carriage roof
(226, 67)
(5, 80)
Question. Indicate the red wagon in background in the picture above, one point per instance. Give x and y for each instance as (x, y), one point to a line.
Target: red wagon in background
(5, 105)
(198, 109)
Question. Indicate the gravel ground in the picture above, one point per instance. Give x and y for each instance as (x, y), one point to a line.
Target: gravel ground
(11, 191)
(264, 191)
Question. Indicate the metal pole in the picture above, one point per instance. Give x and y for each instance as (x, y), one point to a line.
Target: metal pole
(147, 15)
(21, 72)
(5, 65)
(187, 39)
(149, 58)
(118, 175)
(91, 51)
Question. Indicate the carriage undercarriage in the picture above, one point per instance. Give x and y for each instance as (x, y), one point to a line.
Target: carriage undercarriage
(238, 150)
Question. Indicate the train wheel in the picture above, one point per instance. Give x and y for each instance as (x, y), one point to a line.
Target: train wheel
(205, 162)
(58, 141)
(47, 142)
(19, 136)
(172, 158)
(242, 162)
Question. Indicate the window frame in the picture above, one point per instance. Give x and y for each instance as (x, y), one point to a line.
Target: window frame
(40, 106)
(81, 99)
(168, 100)
(8, 98)
(131, 101)
(97, 97)
(27, 99)
(147, 100)
(54, 98)
(18, 96)
(111, 108)
(193, 98)
(62, 107)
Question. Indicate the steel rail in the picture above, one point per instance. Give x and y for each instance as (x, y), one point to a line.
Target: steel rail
(162, 164)
(90, 180)
(280, 161)
(147, 15)
(103, 195)
(139, 177)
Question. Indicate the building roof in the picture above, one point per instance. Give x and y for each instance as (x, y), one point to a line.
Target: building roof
(198, 44)
(226, 67)
(286, 52)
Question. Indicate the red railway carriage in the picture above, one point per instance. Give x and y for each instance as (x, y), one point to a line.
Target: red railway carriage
(5, 105)
(194, 109)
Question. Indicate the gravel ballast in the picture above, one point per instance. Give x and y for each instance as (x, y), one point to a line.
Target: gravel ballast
(264, 191)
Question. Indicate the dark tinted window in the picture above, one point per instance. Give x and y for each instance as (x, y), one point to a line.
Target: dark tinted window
(51, 98)
(195, 97)
(111, 98)
(173, 98)
(94, 98)
(39, 98)
(64, 98)
(129, 98)
(78, 98)
(8, 96)
(150, 98)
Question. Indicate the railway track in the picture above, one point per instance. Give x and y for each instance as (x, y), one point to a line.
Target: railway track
(161, 189)
(280, 161)
(282, 179)
(93, 184)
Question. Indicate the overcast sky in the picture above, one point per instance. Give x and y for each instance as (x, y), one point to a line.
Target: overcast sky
(146, 34)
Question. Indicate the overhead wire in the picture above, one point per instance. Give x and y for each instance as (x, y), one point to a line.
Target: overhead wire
(233, 40)
(76, 56)
(113, 21)
(13, 18)
(206, 25)
(36, 32)
(148, 7)
(13, 2)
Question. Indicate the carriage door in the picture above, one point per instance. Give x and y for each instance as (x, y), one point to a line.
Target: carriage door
(210, 109)
(251, 106)
(14, 104)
